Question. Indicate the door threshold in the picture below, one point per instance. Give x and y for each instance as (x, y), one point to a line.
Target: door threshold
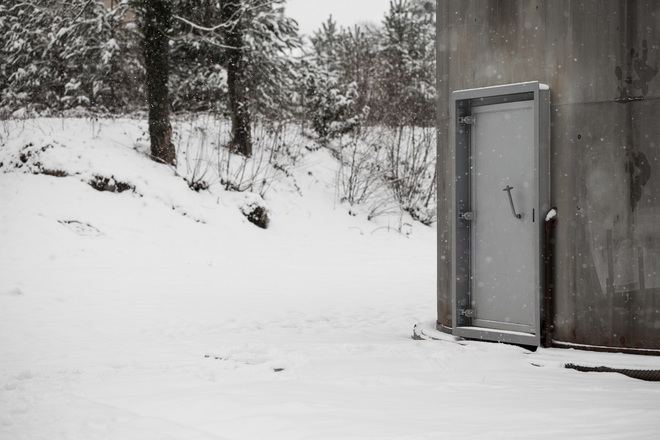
(496, 335)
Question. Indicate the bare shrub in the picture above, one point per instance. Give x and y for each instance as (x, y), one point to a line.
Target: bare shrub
(196, 139)
(361, 173)
(410, 160)
(206, 159)
(385, 169)
(276, 149)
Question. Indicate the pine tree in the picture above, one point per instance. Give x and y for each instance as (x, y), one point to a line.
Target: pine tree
(393, 67)
(325, 42)
(348, 54)
(271, 37)
(337, 80)
(330, 106)
(57, 56)
(155, 23)
(408, 60)
(232, 14)
(244, 48)
(357, 55)
(197, 56)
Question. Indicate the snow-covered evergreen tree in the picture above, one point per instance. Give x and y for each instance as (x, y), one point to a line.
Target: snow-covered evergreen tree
(271, 37)
(332, 76)
(331, 107)
(200, 55)
(325, 42)
(58, 56)
(392, 66)
(198, 77)
(407, 82)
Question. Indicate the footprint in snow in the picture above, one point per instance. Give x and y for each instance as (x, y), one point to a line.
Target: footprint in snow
(14, 292)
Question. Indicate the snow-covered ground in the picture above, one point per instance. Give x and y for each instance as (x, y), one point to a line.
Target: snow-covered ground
(161, 313)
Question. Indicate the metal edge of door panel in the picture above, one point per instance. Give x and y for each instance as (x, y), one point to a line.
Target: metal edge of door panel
(476, 314)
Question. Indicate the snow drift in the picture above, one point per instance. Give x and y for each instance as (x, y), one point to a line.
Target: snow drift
(132, 306)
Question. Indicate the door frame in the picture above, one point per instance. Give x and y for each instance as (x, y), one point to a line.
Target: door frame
(461, 112)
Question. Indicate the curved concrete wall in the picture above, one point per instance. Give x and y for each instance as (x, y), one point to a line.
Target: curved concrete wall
(600, 59)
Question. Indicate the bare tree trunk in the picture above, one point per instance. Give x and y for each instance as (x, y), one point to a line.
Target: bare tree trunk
(157, 16)
(237, 81)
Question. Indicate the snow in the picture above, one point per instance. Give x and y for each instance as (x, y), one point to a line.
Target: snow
(162, 313)
(551, 214)
(493, 88)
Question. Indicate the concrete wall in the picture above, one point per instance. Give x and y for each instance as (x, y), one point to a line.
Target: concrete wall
(600, 59)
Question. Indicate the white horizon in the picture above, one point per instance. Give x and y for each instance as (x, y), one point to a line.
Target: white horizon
(311, 14)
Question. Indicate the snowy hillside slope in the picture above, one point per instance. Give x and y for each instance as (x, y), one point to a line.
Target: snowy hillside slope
(159, 312)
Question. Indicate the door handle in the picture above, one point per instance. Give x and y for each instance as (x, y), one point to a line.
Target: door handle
(513, 209)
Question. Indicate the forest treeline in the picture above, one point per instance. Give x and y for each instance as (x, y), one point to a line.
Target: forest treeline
(60, 55)
(366, 92)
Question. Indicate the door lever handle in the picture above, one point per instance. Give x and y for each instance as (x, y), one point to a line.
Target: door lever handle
(513, 209)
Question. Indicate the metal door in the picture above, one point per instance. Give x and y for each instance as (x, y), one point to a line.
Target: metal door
(501, 193)
(503, 189)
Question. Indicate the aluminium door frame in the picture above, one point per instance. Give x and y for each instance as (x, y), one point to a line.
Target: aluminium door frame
(461, 112)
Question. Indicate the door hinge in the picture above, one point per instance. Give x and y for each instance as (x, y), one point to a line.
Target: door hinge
(467, 216)
(468, 313)
(468, 120)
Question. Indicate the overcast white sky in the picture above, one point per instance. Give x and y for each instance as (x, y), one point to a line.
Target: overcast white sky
(311, 13)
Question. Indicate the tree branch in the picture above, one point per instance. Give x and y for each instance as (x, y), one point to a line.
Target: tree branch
(81, 11)
(201, 28)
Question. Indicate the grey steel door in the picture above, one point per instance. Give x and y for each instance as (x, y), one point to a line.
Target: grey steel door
(503, 281)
